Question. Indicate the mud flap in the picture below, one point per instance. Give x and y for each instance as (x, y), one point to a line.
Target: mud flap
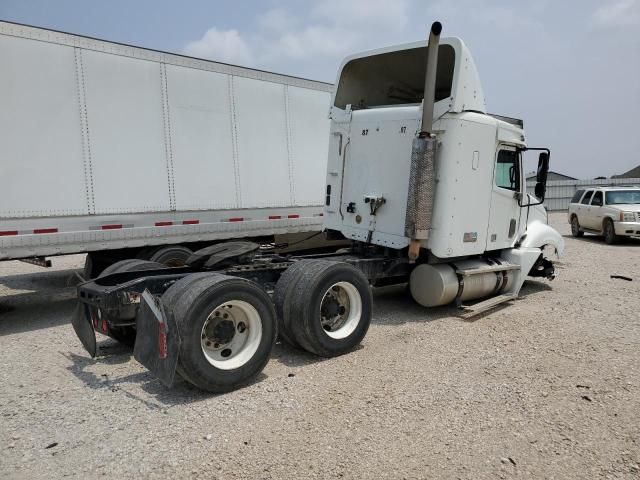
(81, 323)
(157, 339)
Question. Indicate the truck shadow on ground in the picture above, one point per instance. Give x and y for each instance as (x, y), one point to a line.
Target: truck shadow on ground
(19, 314)
(36, 300)
(161, 397)
(41, 281)
(388, 301)
(531, 287)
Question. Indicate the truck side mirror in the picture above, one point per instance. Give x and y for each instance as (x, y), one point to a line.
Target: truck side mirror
(541, 175)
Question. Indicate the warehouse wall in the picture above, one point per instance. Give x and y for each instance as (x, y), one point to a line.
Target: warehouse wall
(559, 192)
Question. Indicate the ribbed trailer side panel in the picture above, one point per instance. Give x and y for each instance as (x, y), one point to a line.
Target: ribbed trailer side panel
(128, 145)
(42, 167)
(202, 139)
(102, 137)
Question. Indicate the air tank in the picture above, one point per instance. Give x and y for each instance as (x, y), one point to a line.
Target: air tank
(438, 284)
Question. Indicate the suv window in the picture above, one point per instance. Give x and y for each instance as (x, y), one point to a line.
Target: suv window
(597, 199)
(587, 197)
(507, 170)
(576, 196)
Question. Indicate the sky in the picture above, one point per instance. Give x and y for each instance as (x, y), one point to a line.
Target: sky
(570, 69)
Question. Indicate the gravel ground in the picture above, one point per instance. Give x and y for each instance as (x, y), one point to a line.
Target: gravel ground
(546, 388)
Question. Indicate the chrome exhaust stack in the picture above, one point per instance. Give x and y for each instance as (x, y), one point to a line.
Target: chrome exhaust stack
(430, 79)
(423, 154)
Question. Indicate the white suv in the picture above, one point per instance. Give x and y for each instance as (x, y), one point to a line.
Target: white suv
(610, 211)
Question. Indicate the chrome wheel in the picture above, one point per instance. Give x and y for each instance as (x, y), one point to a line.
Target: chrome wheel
(340, 310)
(231, 335)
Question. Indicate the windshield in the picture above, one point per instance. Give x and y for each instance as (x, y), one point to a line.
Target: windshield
(623, 197)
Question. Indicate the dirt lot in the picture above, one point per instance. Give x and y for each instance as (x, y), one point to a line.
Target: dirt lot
(546, 388)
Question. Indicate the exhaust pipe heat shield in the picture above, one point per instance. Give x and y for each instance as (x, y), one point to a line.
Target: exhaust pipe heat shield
(421, 188)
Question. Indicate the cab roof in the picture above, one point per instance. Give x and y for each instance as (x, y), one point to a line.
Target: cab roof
(395, 75)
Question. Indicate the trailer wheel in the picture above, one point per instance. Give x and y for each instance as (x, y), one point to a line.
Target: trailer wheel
(94, 264)
(130, 265)
(127, 334)
(332, 306)
(227, 326)
(171, 256)
(283, 297)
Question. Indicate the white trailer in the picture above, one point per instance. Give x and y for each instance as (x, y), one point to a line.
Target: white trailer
(105, 147)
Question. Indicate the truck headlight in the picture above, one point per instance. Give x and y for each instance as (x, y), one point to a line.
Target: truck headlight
(627, 217)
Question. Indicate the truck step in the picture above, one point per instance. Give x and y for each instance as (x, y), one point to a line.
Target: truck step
(494, 268)
(473, 310)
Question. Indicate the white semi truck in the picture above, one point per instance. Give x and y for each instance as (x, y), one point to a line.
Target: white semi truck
(126, 152)
(429, 188)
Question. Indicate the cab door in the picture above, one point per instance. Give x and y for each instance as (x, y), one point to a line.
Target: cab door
(504, 216)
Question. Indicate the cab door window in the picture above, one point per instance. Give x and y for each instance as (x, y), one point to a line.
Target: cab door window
(508, 170)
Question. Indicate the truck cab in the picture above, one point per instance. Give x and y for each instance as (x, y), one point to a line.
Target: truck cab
(478, 204)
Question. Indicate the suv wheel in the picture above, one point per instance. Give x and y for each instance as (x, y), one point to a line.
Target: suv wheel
(610, 236)
(575, 227)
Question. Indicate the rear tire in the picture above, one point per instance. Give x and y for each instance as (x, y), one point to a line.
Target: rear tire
(283, 297)
(172, 294)
(610, 236)
(331, 308)
(227, 326)
(575, 227)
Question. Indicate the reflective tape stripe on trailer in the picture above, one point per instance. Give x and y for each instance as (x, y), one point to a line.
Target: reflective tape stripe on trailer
(36, 231)
(161, 223)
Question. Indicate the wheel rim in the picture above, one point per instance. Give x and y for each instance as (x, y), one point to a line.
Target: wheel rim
(340, 310)
(231, 335)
